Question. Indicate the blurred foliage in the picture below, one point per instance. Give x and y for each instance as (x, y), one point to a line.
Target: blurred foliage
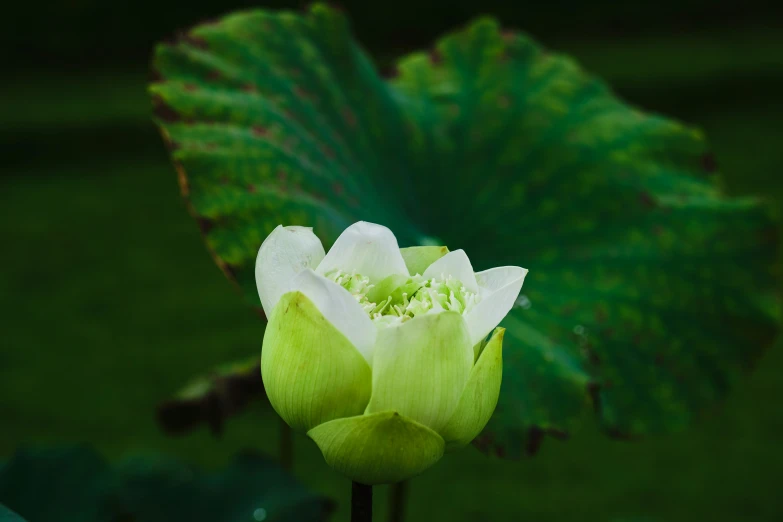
(75, 484)
(491, 144)
(6, 515)
(110, 302)
(213, 398)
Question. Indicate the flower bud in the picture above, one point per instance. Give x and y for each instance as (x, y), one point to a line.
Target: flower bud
(378, 353)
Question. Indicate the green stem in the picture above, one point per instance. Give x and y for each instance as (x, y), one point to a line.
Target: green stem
(361, 503)
(399, 495)
(286, 446)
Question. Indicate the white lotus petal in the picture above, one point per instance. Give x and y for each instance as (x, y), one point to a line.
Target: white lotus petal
(367, 248)
(340, 308)
(457, 265)
(494, 279)
(499, 289)
(283, 254)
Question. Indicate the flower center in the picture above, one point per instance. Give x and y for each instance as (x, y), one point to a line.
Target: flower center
(399, 298)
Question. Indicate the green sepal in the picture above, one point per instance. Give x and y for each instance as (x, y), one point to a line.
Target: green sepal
(379, 448)
(418, 258)
(480, 396)
(311, 371)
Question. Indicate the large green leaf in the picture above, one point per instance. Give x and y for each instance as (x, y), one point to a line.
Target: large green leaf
(649, 289)
(75, 484)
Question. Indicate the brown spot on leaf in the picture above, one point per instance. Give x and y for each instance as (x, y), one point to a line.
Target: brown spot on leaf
(194, 41)
(214, 76)
(251, 188)
(156, 76)
(250, 88)
(390, 72)
(212, 22)
(205, 224)
(647, 199)
(229, 271)
(337, 188)
(259, 131)
(436, 57)
(190, 87)
(182, 178)
(164, 111)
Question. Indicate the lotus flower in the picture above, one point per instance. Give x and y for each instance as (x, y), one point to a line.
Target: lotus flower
(379, 353)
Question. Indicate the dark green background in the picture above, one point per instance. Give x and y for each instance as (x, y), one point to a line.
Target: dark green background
(109, 301)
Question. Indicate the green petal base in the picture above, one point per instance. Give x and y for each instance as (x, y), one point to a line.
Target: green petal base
(480, 396)
(311, 371)
(380, 448)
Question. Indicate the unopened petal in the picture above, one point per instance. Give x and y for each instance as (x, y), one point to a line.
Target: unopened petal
(480, 396)
(457, 265)
(419, 258)
(421, 366)
(340, 308)
(283, 254)
(499, 288)
(369, 249)
(311, 371)
(380, 448)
